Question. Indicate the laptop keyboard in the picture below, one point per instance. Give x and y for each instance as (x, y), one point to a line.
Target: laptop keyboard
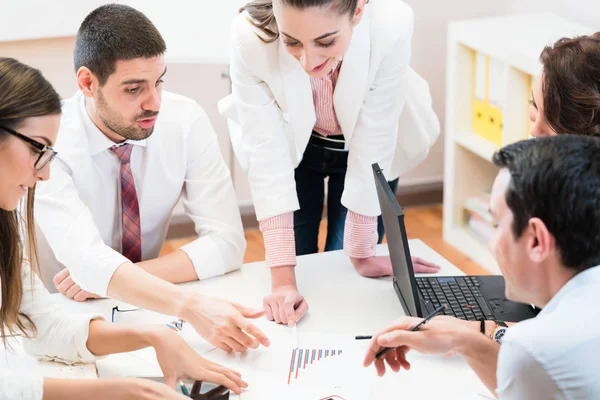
(461, 294)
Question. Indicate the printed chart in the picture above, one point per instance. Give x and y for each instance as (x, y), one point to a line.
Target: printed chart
(302, 359)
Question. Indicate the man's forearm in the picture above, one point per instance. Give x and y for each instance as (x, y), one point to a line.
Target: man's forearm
(175, 267)
(481, 354)
(133, 285)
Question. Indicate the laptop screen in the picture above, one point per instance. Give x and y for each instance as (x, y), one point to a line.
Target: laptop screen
(397, 241)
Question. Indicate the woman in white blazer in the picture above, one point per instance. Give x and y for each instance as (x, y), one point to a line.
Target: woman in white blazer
(29, 118)
(318, 90)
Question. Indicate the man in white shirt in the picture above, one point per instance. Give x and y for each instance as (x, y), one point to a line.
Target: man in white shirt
(127, 153)
(546, 207)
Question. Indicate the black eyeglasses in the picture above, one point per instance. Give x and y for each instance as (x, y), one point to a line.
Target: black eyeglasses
(47, 153)
(116, 309)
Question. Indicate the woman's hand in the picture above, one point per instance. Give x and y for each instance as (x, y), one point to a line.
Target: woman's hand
(178, 360)
(376, 266)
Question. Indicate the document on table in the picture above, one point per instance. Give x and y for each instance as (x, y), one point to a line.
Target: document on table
(321, 367)
(314, 366)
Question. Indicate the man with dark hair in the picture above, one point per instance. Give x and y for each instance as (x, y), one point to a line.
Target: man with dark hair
(546, 207)
(127, 153)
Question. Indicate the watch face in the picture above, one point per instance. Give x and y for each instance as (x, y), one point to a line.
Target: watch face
(499, 334)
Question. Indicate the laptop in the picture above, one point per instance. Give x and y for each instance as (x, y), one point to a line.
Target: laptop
(467, 297)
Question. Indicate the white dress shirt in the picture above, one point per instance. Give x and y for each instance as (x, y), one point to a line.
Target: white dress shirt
(555, 355)
(60, 337)
(79, 208)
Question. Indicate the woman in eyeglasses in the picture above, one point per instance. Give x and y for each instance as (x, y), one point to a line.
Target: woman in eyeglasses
(319, 90)
(29, 119)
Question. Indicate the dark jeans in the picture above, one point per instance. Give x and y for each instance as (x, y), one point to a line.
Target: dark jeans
(317, 164)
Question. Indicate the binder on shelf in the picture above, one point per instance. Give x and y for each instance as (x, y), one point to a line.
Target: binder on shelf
(488, 98)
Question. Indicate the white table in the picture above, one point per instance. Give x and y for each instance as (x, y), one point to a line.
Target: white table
(341, 302)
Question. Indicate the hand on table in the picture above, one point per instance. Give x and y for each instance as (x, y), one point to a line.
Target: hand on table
(436, 337)
(65, 285)
(421, 266)
(224, 324)
(179, 361)
(377, 266)
(285, 305)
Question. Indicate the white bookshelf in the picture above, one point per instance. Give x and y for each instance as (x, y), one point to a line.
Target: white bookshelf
(516, 43)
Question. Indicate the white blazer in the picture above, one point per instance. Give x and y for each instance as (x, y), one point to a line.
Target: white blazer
(271, 111)
(61, 336)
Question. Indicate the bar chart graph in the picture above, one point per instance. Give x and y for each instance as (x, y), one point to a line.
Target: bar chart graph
(302, 359)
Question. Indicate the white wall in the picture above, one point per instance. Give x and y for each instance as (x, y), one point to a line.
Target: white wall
(586, 12)
(193, 29)
(54, 57)
(429, 60)
(35, 19)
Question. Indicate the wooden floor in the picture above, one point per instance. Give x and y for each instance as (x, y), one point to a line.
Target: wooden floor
(423, 223)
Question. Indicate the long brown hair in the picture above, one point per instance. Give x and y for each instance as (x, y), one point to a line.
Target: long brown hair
(571, 85)
(24, 93)
(261, 12)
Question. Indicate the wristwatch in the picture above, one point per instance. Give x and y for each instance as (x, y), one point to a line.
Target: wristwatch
(499, 332)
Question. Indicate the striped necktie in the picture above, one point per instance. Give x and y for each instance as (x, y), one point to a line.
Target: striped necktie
(132, 235)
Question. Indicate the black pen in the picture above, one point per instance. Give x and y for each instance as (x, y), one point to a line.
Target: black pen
(361, 337)
(416, 327)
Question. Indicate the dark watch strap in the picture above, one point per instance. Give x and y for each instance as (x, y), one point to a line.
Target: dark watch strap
(482, 325)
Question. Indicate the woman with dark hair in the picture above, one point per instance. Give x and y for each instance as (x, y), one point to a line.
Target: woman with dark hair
(322, 89)
(29, 119)
(566, 96)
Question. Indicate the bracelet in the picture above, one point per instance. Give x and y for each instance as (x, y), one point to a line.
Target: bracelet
(482, 325)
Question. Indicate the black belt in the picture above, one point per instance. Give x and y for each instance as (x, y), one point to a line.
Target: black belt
(334, 143)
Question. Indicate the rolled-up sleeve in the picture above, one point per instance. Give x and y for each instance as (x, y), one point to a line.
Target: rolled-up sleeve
(65, 220)
(59, 335)
(210, 201)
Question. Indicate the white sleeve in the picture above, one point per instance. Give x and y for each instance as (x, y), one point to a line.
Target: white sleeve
(59, 335)
(69, 227)
(376, 131)
(263, 136)
(210, 201)
(520, 376)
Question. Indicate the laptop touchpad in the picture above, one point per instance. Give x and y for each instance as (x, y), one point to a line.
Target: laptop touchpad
(504, 306)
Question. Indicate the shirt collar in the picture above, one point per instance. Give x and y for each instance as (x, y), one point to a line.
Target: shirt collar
(97, 141)
(337, 66)
(590, 276)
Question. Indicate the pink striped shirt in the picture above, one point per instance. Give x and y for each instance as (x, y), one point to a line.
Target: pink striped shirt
(322, 89)
(360, 232)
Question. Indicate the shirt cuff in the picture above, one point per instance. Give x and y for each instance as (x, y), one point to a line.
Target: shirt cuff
(360, 235)
(206, 257)
(280, 244)
(96, 268)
